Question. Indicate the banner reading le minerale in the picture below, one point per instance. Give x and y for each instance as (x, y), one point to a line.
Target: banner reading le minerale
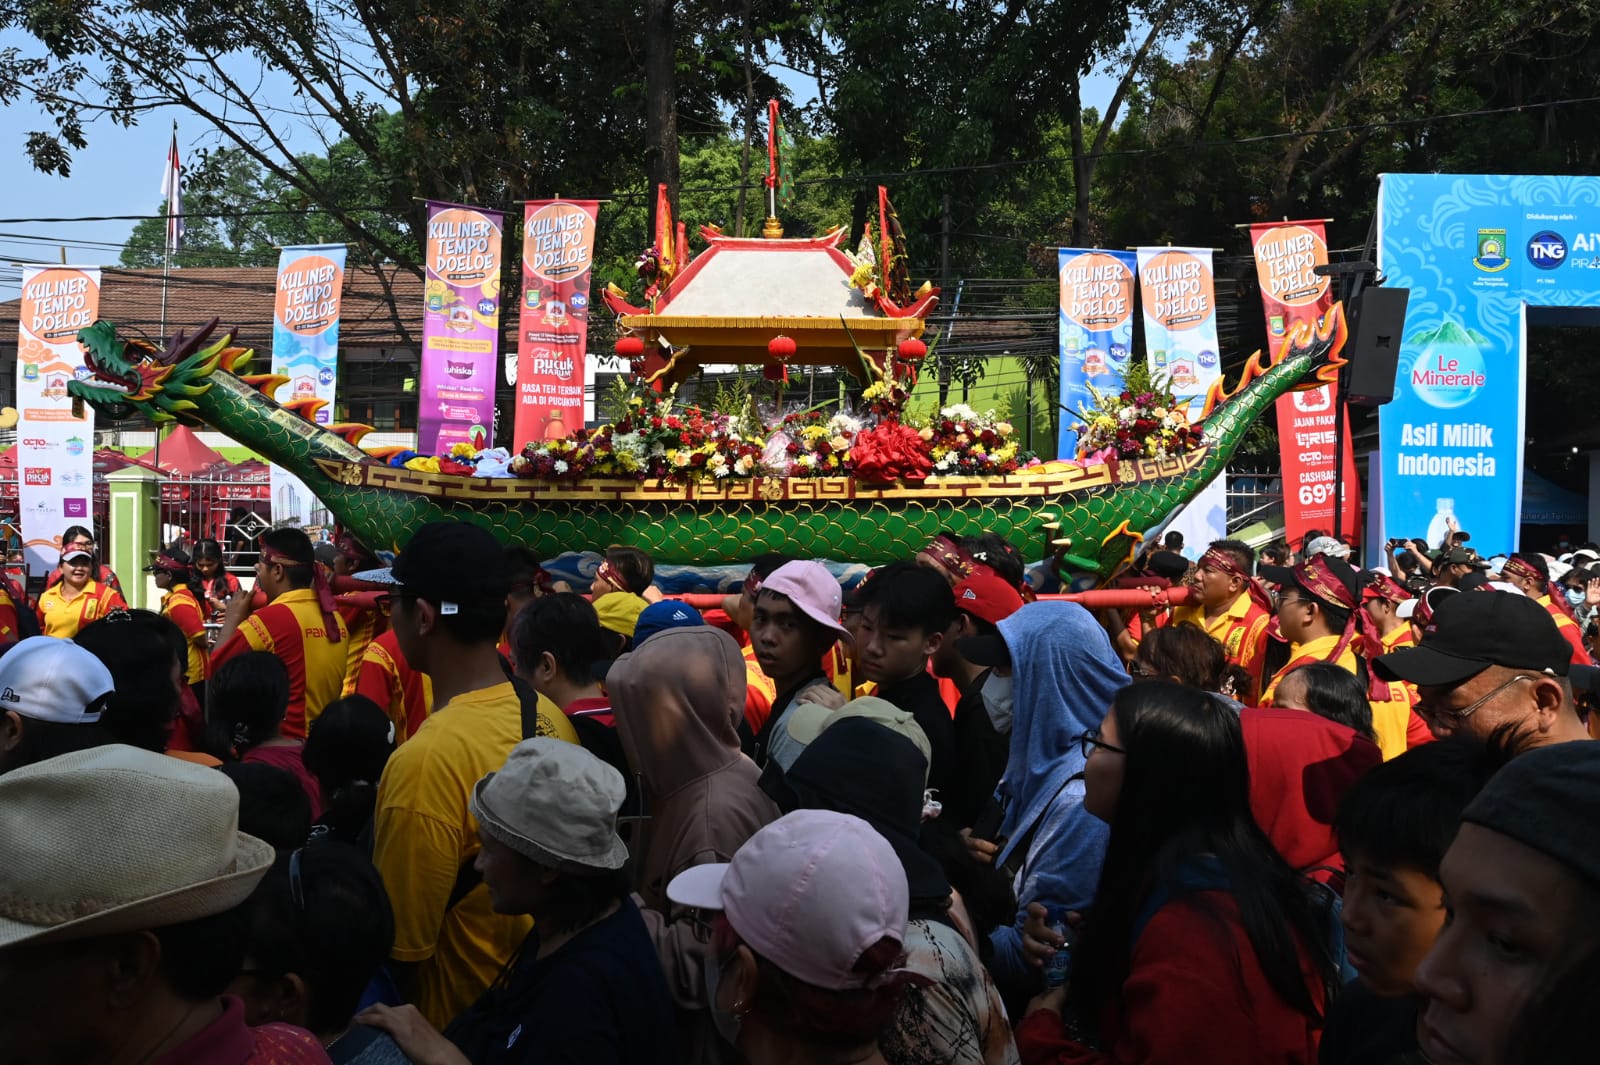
(305, 349)
(553, 330)
(1481, 254)
(55, 451)
(1294, 294)
(460, 328)
(1096, 330)
(1180, 320)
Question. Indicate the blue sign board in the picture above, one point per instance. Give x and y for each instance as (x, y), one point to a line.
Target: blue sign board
(1476, 251)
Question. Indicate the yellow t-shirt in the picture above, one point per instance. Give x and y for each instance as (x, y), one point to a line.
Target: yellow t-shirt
(293, 628)
(424, 833)
(65, 618)
(1303, 654)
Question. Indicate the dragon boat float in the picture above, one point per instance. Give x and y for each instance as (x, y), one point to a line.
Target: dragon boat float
(723, 487)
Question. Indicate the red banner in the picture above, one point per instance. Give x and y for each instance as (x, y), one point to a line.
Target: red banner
(1292, 293)
(553, 328)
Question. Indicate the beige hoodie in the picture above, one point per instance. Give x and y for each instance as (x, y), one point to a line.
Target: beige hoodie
(678, 701)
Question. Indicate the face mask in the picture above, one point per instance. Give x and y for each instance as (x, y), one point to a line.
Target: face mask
(727, 1022)
(1575, 596)
(997, 701)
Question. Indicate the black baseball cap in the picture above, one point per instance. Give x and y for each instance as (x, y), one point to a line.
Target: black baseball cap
(450, 563)
(1472, 631)
(1459, 556)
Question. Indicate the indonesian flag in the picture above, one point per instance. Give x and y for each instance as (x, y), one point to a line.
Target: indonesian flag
(172, 189)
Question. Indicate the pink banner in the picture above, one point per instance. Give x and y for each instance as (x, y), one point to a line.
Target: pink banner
(553, 334)
(460, 328)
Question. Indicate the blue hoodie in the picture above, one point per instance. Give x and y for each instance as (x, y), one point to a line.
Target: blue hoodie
(1064, 675)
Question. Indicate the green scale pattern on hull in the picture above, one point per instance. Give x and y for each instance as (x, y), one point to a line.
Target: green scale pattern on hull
(1104, 517)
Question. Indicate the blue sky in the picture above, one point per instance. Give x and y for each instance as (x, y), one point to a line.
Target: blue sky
(120, 174)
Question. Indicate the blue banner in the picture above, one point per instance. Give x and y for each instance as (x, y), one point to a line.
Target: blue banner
(305, 349)
(1096, 330)
(1476, 251)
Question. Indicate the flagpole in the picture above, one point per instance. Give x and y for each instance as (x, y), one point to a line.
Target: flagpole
(173, 194)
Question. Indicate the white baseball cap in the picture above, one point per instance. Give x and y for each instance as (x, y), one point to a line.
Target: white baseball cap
(50, 679)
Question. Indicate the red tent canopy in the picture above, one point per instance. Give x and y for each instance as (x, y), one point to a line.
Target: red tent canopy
(183, 454)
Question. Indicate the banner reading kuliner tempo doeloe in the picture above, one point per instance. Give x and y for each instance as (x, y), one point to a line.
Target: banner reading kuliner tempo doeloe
(553, 327)
(305, 349)
(55, 449)
(1178, 292)
(1293, 294)
(460, 328)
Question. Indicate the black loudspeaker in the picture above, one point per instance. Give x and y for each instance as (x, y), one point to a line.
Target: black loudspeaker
(1378, 321)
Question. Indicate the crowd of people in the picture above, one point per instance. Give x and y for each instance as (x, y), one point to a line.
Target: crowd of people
(450, 812)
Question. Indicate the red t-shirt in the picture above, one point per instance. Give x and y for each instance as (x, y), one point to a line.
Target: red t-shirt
(289, 758)
(229, 1041)
(597, 707)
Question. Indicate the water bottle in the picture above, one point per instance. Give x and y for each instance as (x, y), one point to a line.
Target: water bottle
(1058, 966)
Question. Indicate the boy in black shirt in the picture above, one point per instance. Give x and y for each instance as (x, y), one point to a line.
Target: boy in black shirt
(905, 612)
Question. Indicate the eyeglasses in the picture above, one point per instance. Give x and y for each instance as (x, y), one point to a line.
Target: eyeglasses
(1091, 739)
(1428, 710)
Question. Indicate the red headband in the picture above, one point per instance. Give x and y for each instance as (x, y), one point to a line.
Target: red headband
(319, 584)
(1383, 586)
(1516, 567)
(948, 556)
(1223, 562)
(167, 562)
(1316, 576)
(609, 573)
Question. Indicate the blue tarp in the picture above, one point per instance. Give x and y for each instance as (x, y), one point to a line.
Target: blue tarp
(1546, 503)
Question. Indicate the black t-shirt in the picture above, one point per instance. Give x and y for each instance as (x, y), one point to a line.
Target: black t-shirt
(1368, 1029)
(981, 755)
(919, 696)
(601, 999)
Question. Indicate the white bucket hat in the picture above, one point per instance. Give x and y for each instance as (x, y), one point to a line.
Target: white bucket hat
(556, 804)
(117, 839)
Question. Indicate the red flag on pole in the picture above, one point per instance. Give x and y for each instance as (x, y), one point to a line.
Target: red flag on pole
(172, 189)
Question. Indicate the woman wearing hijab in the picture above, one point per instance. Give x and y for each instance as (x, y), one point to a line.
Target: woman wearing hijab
(678, 701)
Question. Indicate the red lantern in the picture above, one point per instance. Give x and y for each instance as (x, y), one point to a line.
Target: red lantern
(913, 350)
(781, 348)
(630, 347)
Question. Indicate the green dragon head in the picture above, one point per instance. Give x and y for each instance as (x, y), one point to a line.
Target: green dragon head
(131, 377)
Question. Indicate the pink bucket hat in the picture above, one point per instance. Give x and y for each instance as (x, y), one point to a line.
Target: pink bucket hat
(812, 589)
(810, 892)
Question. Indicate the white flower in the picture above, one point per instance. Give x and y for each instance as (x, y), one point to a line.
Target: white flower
(561, 466)
(807, 459)
(744, 464)
(720, 471)
(843, 425)
(958, 412)
(1125, 414)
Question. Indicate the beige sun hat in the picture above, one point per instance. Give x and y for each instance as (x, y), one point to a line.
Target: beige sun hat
(556, 804)
(117, 839)
(808, 720)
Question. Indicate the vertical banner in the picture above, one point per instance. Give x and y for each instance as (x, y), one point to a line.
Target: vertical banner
(1180, 320)
(1292, 293)
(305, 349)
(553, 328)
(1096, 330)
(460, 328)
(55, 450)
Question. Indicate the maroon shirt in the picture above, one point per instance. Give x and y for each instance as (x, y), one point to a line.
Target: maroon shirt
(229, 1041)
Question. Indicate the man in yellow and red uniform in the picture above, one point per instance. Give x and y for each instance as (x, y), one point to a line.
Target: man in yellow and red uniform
(1531, 574)
(1394, 716)
(1319, 614)
(387, 679)
(1230, 605)
(300, 624)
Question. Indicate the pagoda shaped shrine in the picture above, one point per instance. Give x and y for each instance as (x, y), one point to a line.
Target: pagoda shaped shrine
(767, 302)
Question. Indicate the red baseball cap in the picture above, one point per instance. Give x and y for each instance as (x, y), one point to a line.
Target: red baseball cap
(987, 597)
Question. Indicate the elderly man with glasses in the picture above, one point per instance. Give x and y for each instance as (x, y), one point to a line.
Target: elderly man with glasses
(1493, 664)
